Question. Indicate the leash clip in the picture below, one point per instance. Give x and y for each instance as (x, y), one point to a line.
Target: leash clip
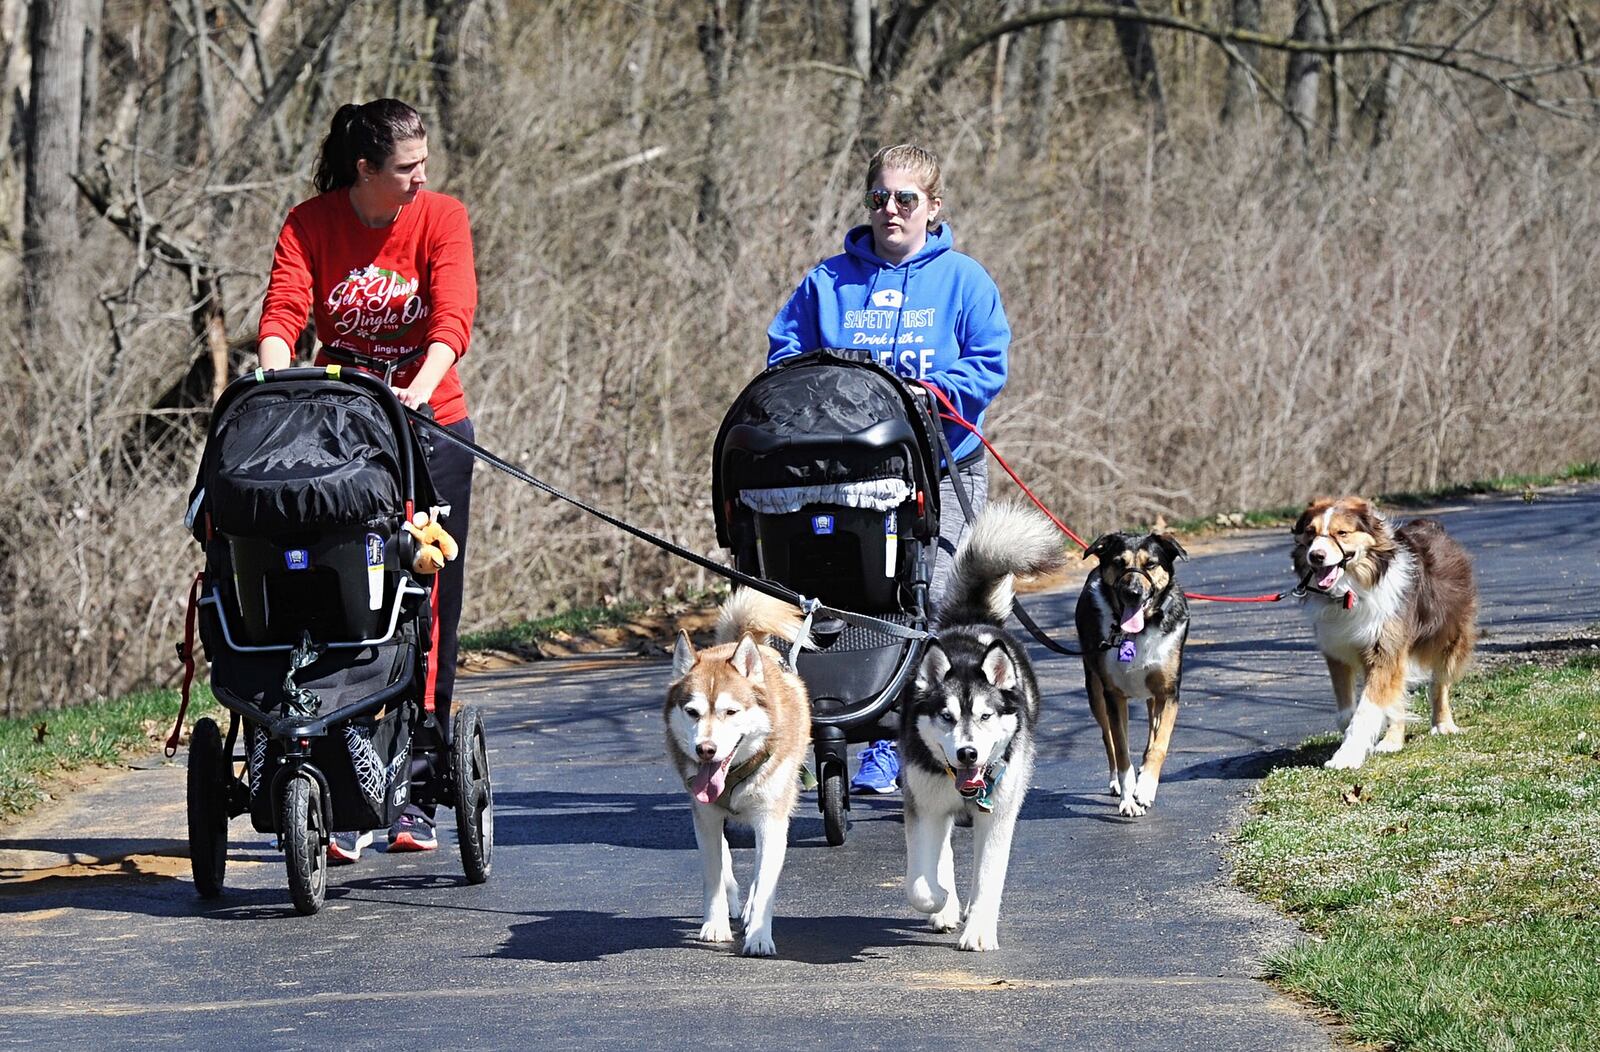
(808, 607)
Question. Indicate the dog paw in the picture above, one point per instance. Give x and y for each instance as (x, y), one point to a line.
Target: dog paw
(1447, 727)
(1144, 793)
(979, 938)
(718, 930)
(759, 944)
(1130, 807)
(1115, 786)
(1346, 759)
(925, 896)
(1388, 746)
(948, 918)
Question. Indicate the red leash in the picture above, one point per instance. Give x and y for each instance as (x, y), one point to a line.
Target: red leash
(186, 655)
(951, 415)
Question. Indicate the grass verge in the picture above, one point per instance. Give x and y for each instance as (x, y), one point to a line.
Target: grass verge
(1587, 472)
(1452, 891)
(38, 748)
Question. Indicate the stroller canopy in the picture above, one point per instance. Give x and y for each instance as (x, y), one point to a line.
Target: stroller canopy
(308, 455)
(821, 420)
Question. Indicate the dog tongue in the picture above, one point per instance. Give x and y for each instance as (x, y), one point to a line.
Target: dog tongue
(711, 780)
(1331, 576)
(1133, 621)
(970, 778)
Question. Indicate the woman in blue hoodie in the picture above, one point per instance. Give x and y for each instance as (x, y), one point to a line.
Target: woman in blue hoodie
(902, 293)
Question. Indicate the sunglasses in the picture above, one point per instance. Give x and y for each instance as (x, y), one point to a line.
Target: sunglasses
(906, 200)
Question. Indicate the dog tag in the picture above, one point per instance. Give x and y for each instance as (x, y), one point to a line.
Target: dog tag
(1125, 652)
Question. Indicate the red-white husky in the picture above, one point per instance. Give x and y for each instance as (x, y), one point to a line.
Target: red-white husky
(738, 722)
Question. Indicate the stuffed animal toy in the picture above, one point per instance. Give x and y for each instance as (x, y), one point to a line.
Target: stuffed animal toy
(435, 547)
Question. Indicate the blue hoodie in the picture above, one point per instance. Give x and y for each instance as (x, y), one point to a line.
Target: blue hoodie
(935, 317)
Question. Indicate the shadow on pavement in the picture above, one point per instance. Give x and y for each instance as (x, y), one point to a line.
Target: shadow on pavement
(574, 936)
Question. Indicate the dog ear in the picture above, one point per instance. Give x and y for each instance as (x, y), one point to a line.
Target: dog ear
(1101, 547)
(1169, 544)
(933, 668)
(998, 667)
(746, 660)
(682, 656)
(1372, 521)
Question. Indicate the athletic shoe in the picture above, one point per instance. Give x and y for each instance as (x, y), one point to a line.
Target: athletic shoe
(880, 769)
(345, 848)
(412, 831)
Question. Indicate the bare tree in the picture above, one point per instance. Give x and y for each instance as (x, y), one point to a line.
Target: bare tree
(1239, 88)
(1139, 55)
(50, 202)
(1046, 73)
(1381, 101)
(450, 22)
(1303, 80)
(725, 34)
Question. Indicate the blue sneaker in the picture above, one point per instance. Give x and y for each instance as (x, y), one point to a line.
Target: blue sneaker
(880, 769)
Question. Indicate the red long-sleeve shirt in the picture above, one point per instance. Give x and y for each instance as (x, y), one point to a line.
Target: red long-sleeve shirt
(381, 293)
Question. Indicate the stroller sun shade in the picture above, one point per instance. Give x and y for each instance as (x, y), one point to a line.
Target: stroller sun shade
(309, 457)
(825, 428)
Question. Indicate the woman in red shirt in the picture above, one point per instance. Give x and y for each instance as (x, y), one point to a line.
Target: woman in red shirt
(384, 268)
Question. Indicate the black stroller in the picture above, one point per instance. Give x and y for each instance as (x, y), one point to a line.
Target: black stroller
(825, 480)
(317, 631)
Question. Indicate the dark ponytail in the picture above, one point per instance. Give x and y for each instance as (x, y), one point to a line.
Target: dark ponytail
(366, 132)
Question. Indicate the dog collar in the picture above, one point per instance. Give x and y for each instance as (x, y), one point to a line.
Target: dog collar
(738, 775)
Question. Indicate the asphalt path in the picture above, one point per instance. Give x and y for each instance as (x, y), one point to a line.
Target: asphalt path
(1114, 932)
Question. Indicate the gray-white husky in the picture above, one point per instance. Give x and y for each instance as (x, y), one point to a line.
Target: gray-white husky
(967, 733)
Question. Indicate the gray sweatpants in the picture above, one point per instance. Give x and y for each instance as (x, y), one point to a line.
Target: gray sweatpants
(974, 478)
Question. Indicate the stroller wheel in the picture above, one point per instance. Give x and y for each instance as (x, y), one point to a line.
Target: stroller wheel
(305, 843)
(832, 793)
(474, 802)
(208, 777)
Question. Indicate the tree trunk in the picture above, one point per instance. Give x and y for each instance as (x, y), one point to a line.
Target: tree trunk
(858, 37)
(1006, 90)
(1388, 90)
(1140, 56)
(451, 18)
(93, 18)
(50, 200)
(1048, 69)
(1239, 91)
(723, 38)
(1303, 82)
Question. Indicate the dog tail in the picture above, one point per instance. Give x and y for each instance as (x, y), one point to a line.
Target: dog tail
(1008, 539)
(753, 613)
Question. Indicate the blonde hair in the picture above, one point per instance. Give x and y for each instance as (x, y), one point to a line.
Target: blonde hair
(922, 164)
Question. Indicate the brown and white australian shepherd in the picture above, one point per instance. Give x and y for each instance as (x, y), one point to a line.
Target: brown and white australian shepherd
(1391, 608)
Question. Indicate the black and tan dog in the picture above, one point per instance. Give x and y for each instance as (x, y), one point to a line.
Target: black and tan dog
(1132, 623)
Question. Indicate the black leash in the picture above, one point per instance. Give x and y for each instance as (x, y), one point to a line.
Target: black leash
(776, 591)
(1017, 609)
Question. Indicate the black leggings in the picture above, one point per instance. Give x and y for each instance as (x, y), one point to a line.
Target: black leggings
(451, 468)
